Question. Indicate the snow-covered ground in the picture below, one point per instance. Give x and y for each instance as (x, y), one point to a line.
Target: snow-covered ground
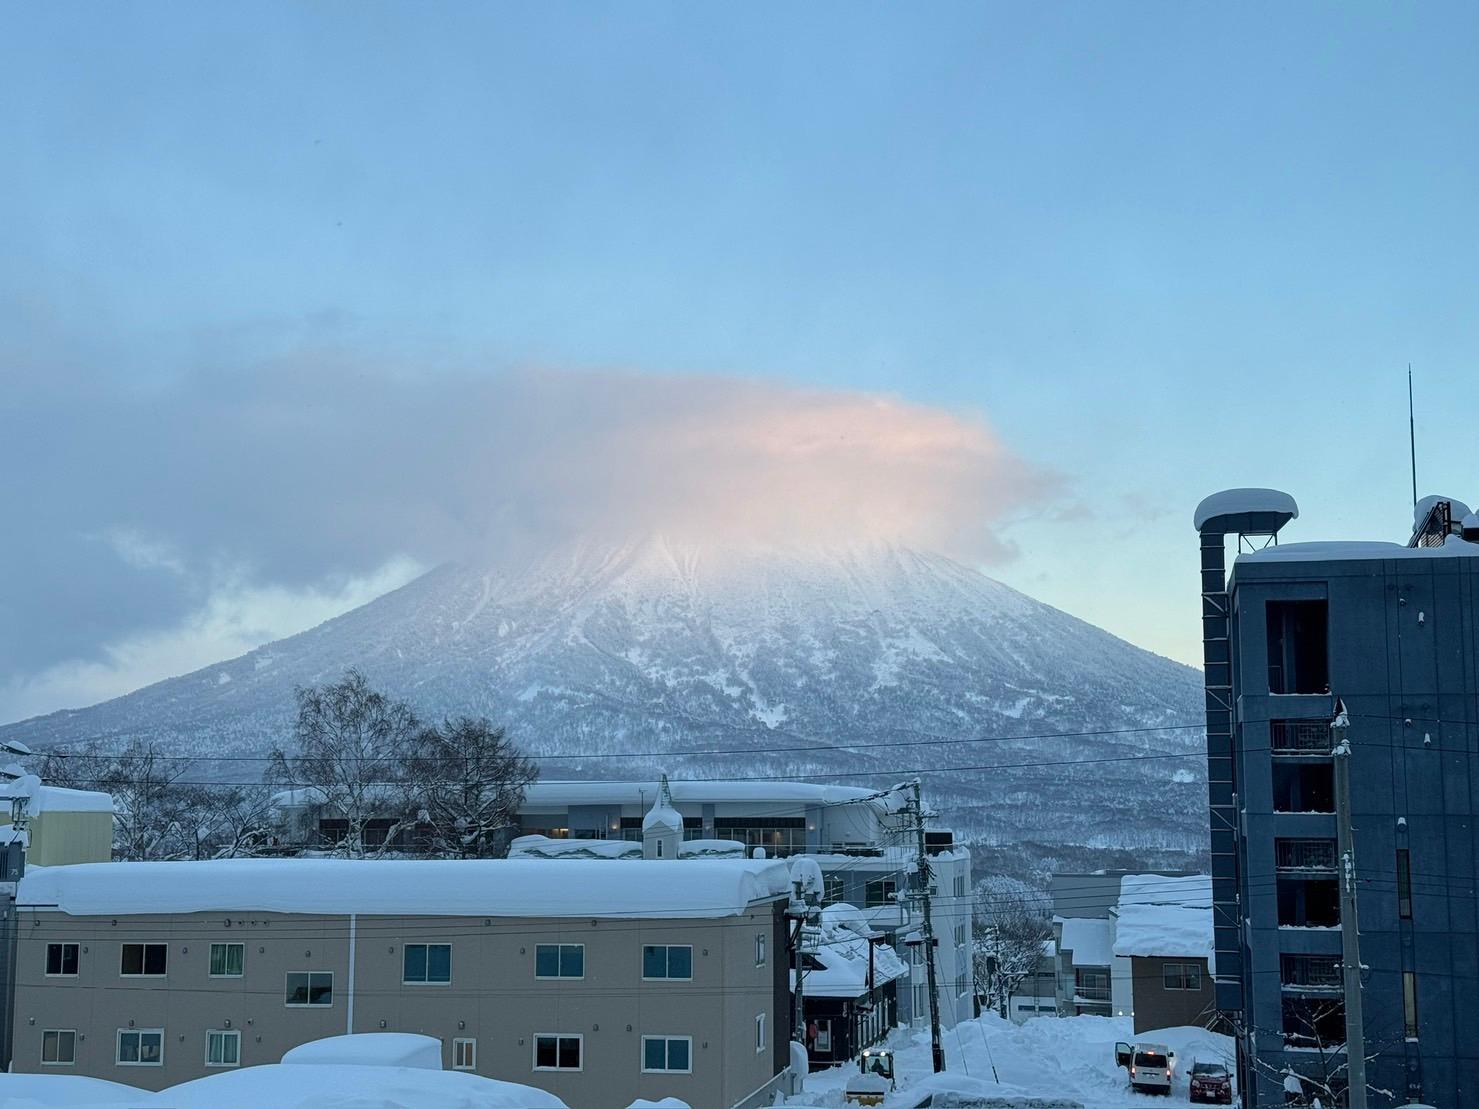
(1047, 1057)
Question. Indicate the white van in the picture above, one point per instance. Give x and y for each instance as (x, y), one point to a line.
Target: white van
(1151, 1066)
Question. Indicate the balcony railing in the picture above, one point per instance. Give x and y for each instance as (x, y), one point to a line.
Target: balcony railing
(1299, 737)
(1310, 973)
(1092, 993)
(1306, 854)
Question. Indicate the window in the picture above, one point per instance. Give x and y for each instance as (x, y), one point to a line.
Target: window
(921, 1001)
(760, 950)
(59, 1047)
(916, 953)
(428, 964)
(667, 961)
(1404, 883)
(1314, 903)
(1297, 658)
(760, 1032)
(960, 935)
(1304, 787)
(879, 891)
(1409, 1004)
(556, 1052)
(1311, 972)
(464, 1054)
(960, 885)
(143, 960)
(141, 1047)
(779, 835)
(61, 960)
(1091, 985)
(833, 889)
(227, 959)
(559, 960)
(667, 1053)
(1181, 976)
(824, 1035)
(315, 987)
(222, 1049)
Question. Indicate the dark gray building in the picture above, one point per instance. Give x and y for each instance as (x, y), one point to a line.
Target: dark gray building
(1392, 630)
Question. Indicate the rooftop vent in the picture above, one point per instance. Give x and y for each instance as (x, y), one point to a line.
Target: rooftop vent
(1434, 519)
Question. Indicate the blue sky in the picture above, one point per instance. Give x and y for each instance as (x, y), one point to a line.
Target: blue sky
(1159, 248)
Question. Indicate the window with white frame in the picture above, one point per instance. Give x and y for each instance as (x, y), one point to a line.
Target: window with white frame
(960, 885)
(59, 1047)
(1181, 976)
(559, 960)
(960, 935)
(61, 960)
(222, 1048)
(670, 1054)
(824, 1035)
(557, 1051)
(427, 964)
(143, 960)
(667, 961)
(227, 959)
(760, 950)
(760, 1032)
(309, 988)
(464, 1054)
(140, 1047)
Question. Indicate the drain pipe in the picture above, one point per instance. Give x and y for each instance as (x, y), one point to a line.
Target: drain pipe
(349, 1018)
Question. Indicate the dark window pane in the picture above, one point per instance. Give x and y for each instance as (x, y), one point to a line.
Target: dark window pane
(654, 962)
(439, 962)
(545, 1054)
(133, 958)
(53, 958)
(547, 960)
(415, 962)
(154, 955)
(569, 1053)
(320, 989)
(677, 1055)
(654, 1055)
(680, 962)
(297, 989)
(69, 958)
(128, 1047)
(572, 961)
(149, 1047)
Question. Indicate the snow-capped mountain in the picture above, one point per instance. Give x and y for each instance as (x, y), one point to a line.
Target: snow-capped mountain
(833, 664)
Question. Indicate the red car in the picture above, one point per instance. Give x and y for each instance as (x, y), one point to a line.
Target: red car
(1211, 1082)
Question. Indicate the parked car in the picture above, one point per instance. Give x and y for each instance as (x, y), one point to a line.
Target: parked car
(1151, 1066)
(1210, 1082)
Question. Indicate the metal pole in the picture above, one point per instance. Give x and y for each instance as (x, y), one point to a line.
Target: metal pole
(1350, 933)
(798, 1020)
(1412, 435)
(937, 1049)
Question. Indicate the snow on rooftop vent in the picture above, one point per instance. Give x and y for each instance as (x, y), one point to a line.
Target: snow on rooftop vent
(1234, 502)
(1457, 510)
(663, 814)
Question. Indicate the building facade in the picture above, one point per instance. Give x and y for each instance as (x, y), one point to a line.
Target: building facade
(601, 982)
(1392, 631)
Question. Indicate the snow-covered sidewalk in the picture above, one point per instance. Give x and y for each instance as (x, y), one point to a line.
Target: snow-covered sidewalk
(1048, 1057)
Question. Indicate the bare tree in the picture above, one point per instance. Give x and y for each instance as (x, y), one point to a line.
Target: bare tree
(1323, 1079)
(155, 817)
(236, 821)
(467, 782)
(353, 748)
(1008, 931)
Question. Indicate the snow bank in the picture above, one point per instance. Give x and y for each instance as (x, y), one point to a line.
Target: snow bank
(484, 887)
(349, 1086)
(1171, 930)
(790, 797)
(1089, 940)
(542, 847)
(1233, 502)
(1158, 889)
(65, 1091)
(664, 1103)
(371, 1049)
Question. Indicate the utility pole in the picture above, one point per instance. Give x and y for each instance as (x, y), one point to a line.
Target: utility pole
(937, 1049)
(797, 910)
(1350, 933)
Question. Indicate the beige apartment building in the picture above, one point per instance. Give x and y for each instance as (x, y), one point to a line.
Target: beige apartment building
(599, 981)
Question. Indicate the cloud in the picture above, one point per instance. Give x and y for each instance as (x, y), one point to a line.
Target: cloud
(163, 521)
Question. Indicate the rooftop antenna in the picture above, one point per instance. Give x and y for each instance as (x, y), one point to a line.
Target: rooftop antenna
(1411, 435)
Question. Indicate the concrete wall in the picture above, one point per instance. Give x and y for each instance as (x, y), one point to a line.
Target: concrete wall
(494, 996)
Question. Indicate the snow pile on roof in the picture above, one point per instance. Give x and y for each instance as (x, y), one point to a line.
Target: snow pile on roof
(1234, 502)
(665, 1103)
(65, 1091)
(446, 887)
(778, 797)
(41, 798)
(349, 1086)
(1157, 915)
(840, 944)
(1333, 550)
(1457, 510)
(542, 847)
(370, 1049)
(662, 815)
(1088, 937)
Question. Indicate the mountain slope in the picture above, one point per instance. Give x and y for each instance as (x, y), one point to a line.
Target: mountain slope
(779, 656)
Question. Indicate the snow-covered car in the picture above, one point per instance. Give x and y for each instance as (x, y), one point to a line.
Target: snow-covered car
(1151, 1066)
(1210, 1082)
